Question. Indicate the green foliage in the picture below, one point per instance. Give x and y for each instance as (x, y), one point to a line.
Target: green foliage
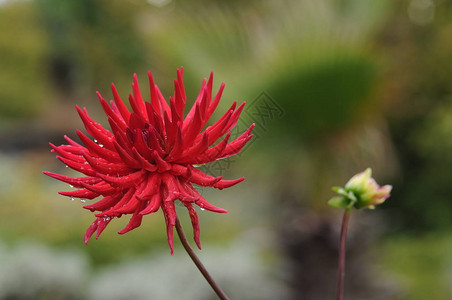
(323, 95)
(419, 266)
(23, 46)
(92, 40)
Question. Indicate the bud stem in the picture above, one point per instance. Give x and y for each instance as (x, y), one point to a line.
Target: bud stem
(342, 250)
(198, 263)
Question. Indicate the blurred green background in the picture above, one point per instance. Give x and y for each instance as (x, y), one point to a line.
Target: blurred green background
(334, 86)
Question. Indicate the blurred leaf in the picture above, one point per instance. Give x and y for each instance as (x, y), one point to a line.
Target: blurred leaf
(23, 45)
(323, 95)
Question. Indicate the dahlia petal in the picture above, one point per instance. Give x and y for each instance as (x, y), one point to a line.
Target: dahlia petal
(72, 142)
(180, 170)
(120, 104)
(135, 221)
(203, 105)
(131, 135)
(138, 103)
(235, 147)
(200, 178)
(90, 231)
(178, 147)
(196, 103)
(153, 206)
(195, 224)
(114, 108)
(192, 129)
(170, 128)
(124, 200)
(171, 191)
(217, 129)
(119, 133)
(209, 88)
(152, 187)
(111, 114)
(162, 165)
(104, 203)
(128, 159)
(145, 164)
(169, 212)
(97, 125)
(222, 184)
(180, 80)
(76, 150)
(204, 204)
(185, 192)
(163, 104)
(94, 130)
(151, 113)
(130, 206)
(177, 105)
(213, 153)
(215, 101)
(155, 141)
(67, 154)
(105, 167)
(155, 102)
(221, 122)
(126, 181)
(82, 168)
(98, 150)
(102, 225)
(198, 148)
(83, 193)
(137, 121)
(100, 188)
(74, 181)
(141, 145)
(234, 118)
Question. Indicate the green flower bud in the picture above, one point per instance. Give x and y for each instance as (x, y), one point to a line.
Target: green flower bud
(361, 191)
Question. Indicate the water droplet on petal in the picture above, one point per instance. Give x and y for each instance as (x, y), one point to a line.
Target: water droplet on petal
(71, 185)
(100, 145)
(95, 140)
(203, 208)
(67, 166)
(72, 198)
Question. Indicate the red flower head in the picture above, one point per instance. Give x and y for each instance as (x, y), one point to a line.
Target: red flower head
(147, 160)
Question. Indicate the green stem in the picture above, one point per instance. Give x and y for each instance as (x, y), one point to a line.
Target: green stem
(342, 250)
(198, 263)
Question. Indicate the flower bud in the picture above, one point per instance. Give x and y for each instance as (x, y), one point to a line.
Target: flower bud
(360, 191)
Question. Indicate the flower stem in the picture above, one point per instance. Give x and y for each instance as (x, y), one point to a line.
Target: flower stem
(342, 248)
(198, 263)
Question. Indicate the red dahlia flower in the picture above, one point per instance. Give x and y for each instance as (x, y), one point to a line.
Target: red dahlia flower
(148, 159)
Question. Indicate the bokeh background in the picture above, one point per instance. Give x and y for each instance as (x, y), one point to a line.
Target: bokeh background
(334, 87)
